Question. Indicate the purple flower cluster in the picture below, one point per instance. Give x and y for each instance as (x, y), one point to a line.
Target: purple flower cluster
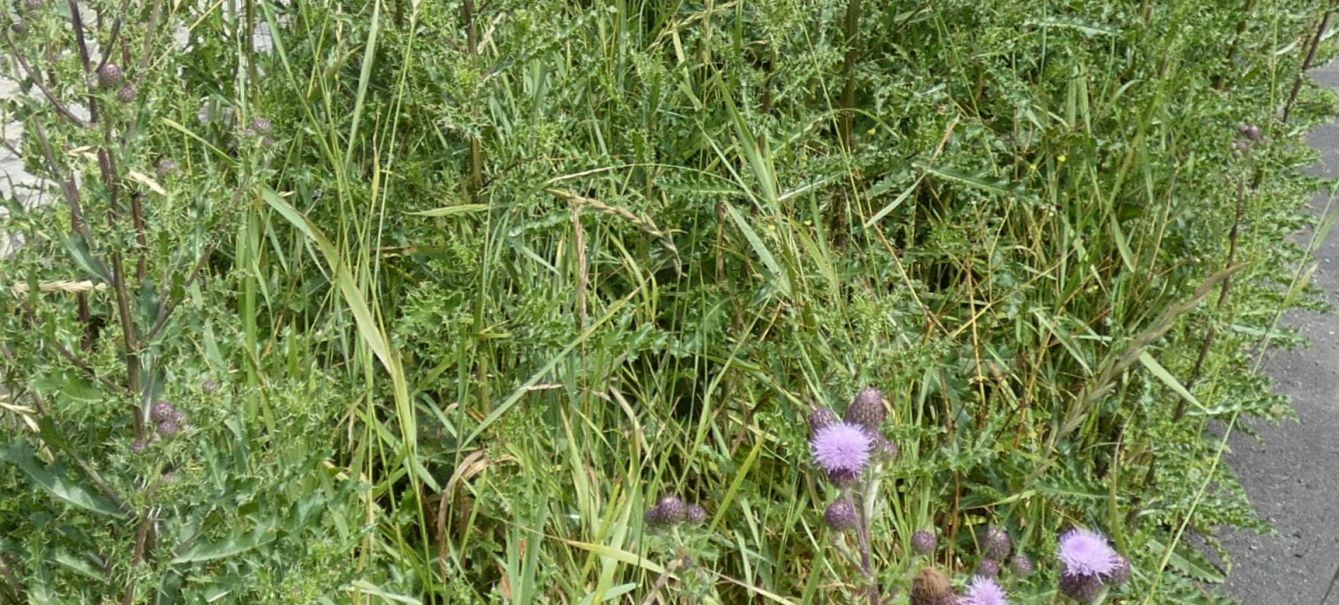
(168, 419)
(1088, 563)
(843, 447)
(671, 510)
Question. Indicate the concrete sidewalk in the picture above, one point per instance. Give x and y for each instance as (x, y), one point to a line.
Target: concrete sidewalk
(1292, 472)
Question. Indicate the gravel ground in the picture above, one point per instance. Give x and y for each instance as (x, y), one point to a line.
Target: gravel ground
(1292, 471)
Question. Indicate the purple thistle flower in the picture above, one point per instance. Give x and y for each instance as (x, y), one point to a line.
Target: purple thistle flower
(842, 450)
(983, 591)
(139, 446)
(1081, 588)
(996, 543)
(1022, 565)
(841, 515)
(821, 418)
(923, 542)
(988, 568)
(1084, 552)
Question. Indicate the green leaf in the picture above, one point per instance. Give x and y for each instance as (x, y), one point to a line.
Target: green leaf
(451, 210)
(53, 478)
(232, 545)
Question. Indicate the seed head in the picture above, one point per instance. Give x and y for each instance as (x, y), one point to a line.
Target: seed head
(866, 409)
(988, 568)
(1022, 565)
(984, 591)
(931, 587)
(996, 543)
(821, 418)
(1085, 552)
(923, 542)
(841, 515)
(842, 450)
(697, 515)
(1081, 588)
(110, 76)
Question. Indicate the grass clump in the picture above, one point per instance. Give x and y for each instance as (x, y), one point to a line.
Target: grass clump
(452, 294)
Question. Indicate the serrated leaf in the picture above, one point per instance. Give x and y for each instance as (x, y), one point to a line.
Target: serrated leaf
(55, 480)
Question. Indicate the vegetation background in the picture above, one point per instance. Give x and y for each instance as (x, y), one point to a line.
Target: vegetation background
(445, 294)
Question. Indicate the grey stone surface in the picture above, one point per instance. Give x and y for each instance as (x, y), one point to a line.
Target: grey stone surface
(1292, 471)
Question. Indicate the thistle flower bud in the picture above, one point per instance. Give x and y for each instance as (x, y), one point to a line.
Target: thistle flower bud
(168, 429)
(261, 125)
(126, 94)
(988, 568)
(110, 76)
(18, 27)
(931, 587)
(672, 510)
(697, 515)
(167, 167)
(821, 418)
(1081, 588)
(883, 447)
(139, 446)
(1241, 146)
(210, 387)
(923, 542)
(866, 409)
(1022, 565)
(1252, 132)
(163, 410)
(841, 516)
(1121, 574)
(996, 544)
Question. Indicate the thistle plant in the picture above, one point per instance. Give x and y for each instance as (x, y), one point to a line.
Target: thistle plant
(844, 449)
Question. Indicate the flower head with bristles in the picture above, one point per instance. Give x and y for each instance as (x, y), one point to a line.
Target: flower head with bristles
(842, 450)
(983, 591)
(1084, 552)
(988, 568)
